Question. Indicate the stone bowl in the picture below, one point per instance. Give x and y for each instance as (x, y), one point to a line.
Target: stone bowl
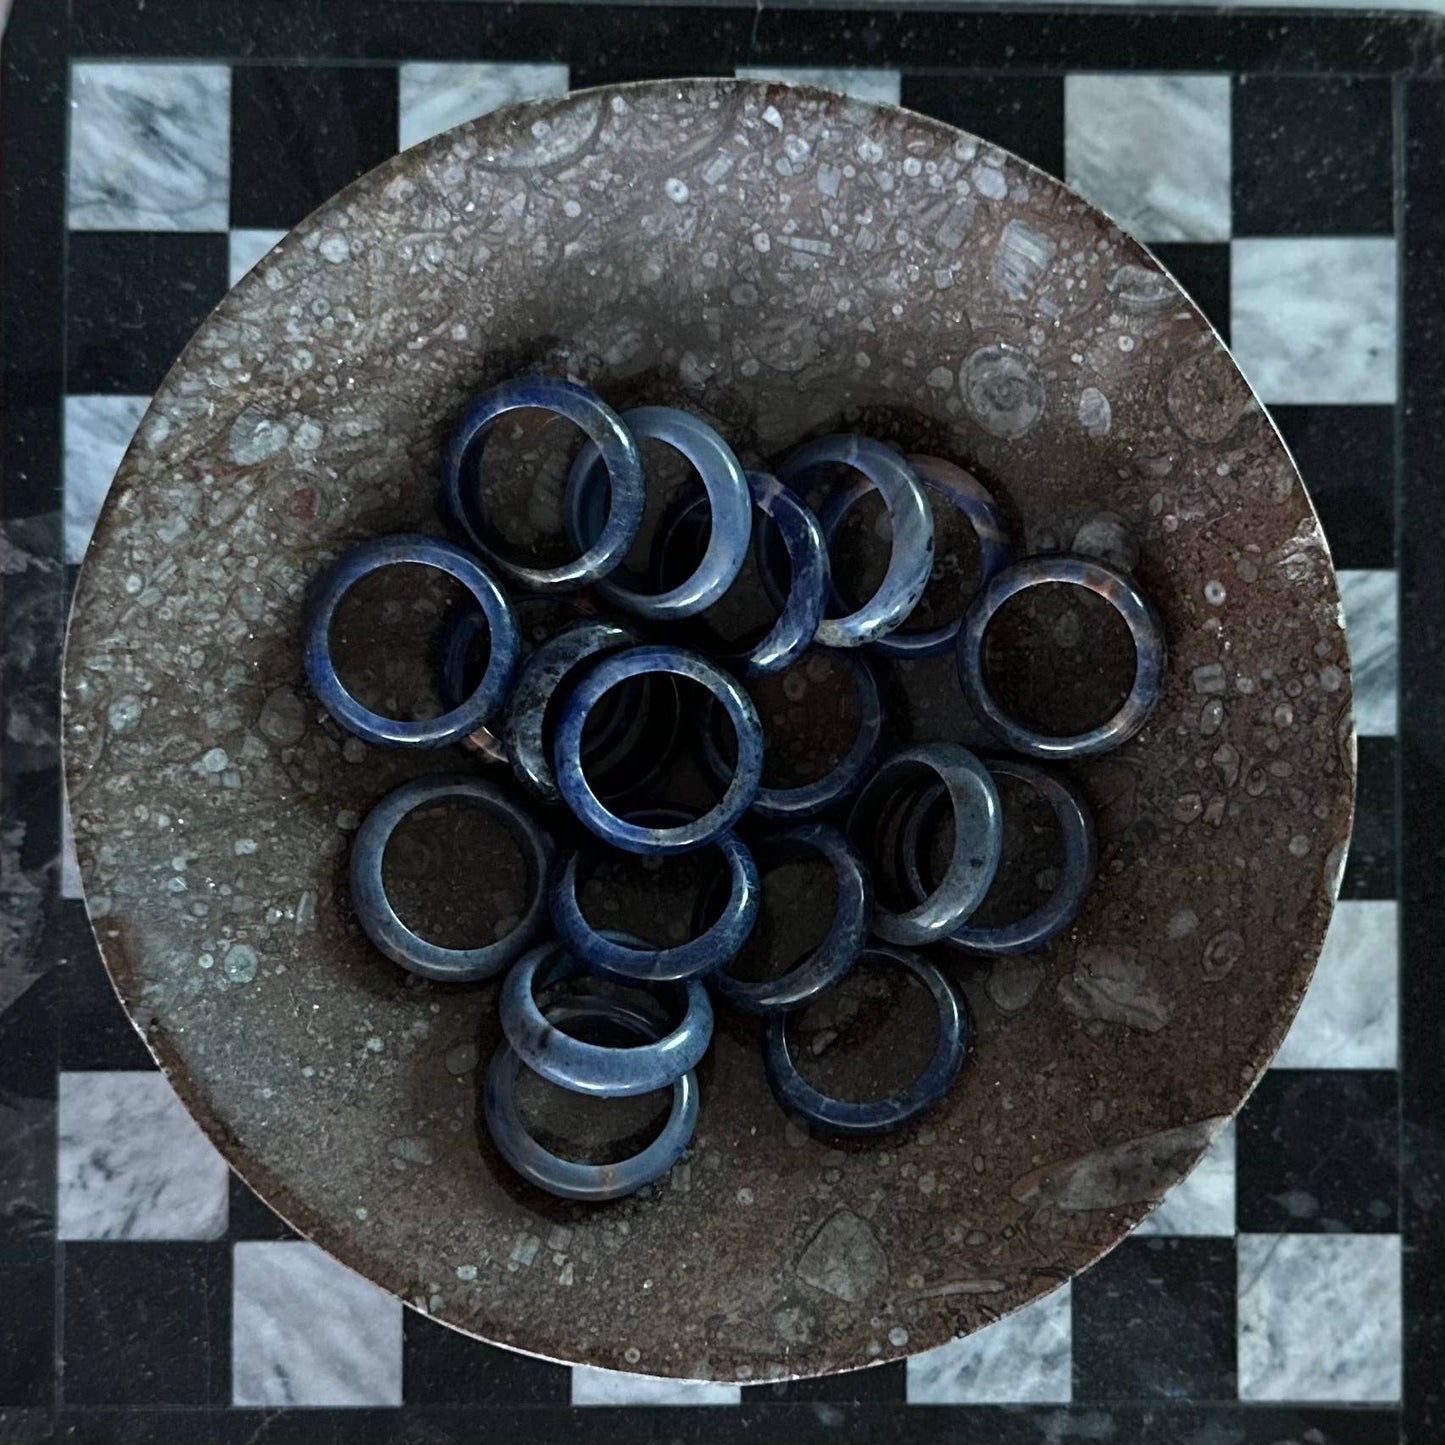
(785, 262)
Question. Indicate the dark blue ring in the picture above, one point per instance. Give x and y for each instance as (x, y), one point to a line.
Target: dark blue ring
(843, 1118)
(1127, 600)
(422, 551)
(610, 441)
(379, 919)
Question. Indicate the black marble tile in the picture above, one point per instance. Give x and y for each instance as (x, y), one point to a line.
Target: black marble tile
(27, 1106)
(1370, 871)
(250, 1217)
(135, 298)
(151, 1427)
(1202, 268)
(1155, 1320)
(27, 1325)
(299, 133)
(1318, 1153)
(881, 1383)
(95, 1031)
(1312, 156)
(1346, 455)
(147, 1324)
(1021, 113)
(442, 1367)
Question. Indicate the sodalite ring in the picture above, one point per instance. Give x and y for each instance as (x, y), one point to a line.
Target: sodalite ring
(566, 1178)
(977, 835)
(629, 958)
(846, 1119)
(838, 951)
(959, 489)
(1058, 911)
(379, 919)
(728, 498)
(588, 1068)
(578, 792)
(472, 711)
(911, 560)
(610, 442)
(1127, 600)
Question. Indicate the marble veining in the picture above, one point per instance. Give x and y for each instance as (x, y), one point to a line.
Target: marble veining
(1203, 1201)
(880, 86)
(150, 147)
(436, 96)
(70, 884)
(1313, 318)
(98, 429)
(1152, 151)
(591, 1386)
(1319, 1317)
(305, 1330)
(1349, 1017)
(246, 248)
(1026, 1358)
(132, 1164)
(1370, 600)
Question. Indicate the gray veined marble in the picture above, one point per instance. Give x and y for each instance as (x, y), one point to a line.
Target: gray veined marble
(132, 1164)
(1369, 598)
(98, 429)
(305, 1330)
(1313, 318)
(879, 86)
(70, 884)
(591, 1386)
(1319, 1317)
(246, 249)
(1024, 1358)
(1202, 1203)
(435, 97)
(1349, 1017)
(150, 147)
(1153, 151)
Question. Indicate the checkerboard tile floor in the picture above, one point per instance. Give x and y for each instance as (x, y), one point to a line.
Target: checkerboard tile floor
(1251, 1278)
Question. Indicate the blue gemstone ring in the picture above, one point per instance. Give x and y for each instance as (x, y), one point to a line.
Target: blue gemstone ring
(911, 560)
(838, 951)
(727, 497)
(379, 919)
(472, 711)
(943, 481)
(1127, 600)
(566, 1178)
(715, 946)
(977, 836)
(611, 443)
(844, 1118)
(1058, 911)
(801, 607)
(596, 1068)
(578, 792)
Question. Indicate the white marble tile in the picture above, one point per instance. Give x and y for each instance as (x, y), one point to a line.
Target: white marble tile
(247, 247)
(1153, 151)
(150, 147)
(1313, 318)
(70, 884)
(614, 1387)
(1372, 621)
(880, 86)
(435, 97)
(1203, 1201)
(132, 1164)
(305, 1330)
(98, 429)
(1319, 1317)
(1026, 1358)
(1349, 1017)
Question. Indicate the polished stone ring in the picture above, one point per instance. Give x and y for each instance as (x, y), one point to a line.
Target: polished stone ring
(584, 1068)
(1127, 600)
(611, 443)
(379, 919)
(977, 834)
(911, 560)
(567, 1178)
(567, 750)
(472, 711)
(959, 489)
(846, 1118)
(728, 498)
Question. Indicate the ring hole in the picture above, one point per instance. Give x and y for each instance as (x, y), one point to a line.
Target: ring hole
(455, 875)
(665, 1005)
(1059, 659)
(655, 899)
(867, 1038)
(799, 900)
(957, 570)
(589, 1130)
(879, 830)
(386, 634)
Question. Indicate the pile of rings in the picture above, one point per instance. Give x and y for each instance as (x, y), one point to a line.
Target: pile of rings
(530, 712)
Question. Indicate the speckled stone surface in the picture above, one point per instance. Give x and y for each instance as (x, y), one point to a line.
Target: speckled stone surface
(783, 262)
